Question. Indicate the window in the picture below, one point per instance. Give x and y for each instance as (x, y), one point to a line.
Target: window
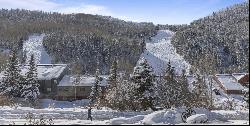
(48, 89)
(82, 89)
(66, 89)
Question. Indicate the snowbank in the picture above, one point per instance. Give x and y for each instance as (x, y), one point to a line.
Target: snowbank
(164, 117)
(123, 120)
(198, 118)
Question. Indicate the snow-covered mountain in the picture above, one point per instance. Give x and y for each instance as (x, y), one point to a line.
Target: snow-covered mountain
(159, 51)
(34, 45)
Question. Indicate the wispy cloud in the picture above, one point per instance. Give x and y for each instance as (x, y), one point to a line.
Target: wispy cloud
(84, 8)
(47, 5)
(28, 4)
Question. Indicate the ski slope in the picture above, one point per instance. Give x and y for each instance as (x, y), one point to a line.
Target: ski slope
(159, 51)
(34, 45)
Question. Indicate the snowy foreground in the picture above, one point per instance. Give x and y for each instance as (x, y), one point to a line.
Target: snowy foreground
(69, 113)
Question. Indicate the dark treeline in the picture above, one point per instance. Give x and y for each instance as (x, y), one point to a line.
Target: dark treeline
(77, 39)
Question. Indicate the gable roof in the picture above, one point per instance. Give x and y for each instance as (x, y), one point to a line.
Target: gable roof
(44, 71)
(238, 76)
(229, 82)
(85, 81)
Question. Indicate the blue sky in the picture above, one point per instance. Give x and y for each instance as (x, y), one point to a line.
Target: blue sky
(156, 11)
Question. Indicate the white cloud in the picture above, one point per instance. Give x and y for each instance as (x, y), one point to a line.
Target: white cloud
(28, 4)
(48, 5)
(85, 8)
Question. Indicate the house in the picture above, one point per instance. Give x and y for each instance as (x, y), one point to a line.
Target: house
(69, 90)
(229, 83)
(242, 78)
(49, 76)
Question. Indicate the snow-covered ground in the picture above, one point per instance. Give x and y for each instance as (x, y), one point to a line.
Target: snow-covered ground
(223, 101)
(78, 115)
(34, 45)
(159, 51)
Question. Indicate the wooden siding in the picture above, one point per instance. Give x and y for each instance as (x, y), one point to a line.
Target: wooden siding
(68, 92)
(244, 80)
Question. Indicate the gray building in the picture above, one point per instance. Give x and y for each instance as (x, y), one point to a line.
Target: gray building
(68, 89)
(49, 76)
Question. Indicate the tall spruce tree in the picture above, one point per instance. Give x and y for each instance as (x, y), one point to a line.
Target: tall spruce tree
(173, 90)
(30, 89)
(95, 94)
(112, 79)
(111, 93)
(144, 81)
(200, 92)
(170, 89)
(11, 84)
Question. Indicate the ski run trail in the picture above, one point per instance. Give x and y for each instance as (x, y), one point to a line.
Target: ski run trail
(159, 51)
(34, 45)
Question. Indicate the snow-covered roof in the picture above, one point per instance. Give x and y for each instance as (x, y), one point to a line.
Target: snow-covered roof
(238, 76)
(84, 81)
(45, 71)
(229, 82)
(190, 79)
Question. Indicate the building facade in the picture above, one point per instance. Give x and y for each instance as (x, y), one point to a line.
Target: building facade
(69, 89)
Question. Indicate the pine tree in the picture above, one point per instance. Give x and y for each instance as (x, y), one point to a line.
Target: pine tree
(200, 92)
(112, 80)
(144, 81)
(111, 93)
(30, 89)
(12, 77)
(185, 92)
(23, 57)
(96, 91)
(173, 90)
(170, 89)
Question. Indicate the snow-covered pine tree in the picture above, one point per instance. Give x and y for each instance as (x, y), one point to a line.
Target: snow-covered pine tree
(111, 93)
(200, 92)
(185, 92)
(173, 90)
(12, 77)
(95, 94)
(144, 81)
(112, 79)
(30, 89)
(170, 90)
(23, 57)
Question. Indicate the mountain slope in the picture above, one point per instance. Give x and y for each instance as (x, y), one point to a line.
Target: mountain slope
(217, 43)
(80, 40)
(159, 51)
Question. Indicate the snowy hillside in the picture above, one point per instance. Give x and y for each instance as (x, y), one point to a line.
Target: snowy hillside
(34, 45)
(160, 50)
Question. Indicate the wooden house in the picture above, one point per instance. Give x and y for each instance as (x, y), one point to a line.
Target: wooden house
(242, 78)
(228, 83)
(49, 76)
(68, 89)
